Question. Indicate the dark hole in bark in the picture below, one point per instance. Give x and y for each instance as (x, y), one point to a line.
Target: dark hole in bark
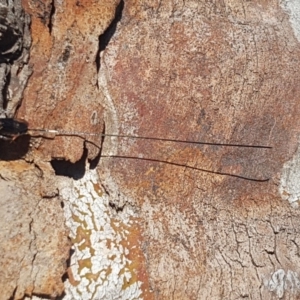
(14, 149)
(106, 36)
(66, 168)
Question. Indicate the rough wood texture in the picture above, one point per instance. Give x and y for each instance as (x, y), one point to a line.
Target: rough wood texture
(62, 93)
(34, 243)
(223, 71)
(216, 71)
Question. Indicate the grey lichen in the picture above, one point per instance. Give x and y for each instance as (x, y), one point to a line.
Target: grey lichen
(15, 41)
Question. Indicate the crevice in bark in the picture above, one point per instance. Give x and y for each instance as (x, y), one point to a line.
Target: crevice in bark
(13, 294)
(45, 296)
(50, 196)
(68, 265)
(105, 190)
(115, 207)
(5, 89)
(106, 36)
(66, 168)
(94, 162)
(52, 13)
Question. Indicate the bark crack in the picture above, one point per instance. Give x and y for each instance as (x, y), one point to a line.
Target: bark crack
(106, 36)
(51, 17)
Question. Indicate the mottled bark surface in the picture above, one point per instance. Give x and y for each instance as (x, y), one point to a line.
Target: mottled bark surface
(159, 220)
(34, 242)
(224, 72)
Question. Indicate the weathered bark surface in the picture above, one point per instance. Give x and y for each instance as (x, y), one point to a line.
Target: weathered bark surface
(34, 243)
(62, 93)
(222, 71)
(226, 72)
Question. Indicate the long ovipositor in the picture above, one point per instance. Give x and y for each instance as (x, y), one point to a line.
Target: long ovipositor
(12, 128)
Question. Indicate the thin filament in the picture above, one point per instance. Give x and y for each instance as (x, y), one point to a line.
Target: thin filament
(60, 132)
(81, 134)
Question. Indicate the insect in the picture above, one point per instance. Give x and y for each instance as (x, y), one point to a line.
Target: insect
(11, 128)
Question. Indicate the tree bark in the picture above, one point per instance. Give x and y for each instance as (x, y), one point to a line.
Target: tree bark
(152, 219)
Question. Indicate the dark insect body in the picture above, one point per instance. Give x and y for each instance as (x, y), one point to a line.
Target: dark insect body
(11, 128)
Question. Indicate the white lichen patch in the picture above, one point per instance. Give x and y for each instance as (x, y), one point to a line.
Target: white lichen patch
(100, 267)
(281, 281)
(290, 180)
(292, 7)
